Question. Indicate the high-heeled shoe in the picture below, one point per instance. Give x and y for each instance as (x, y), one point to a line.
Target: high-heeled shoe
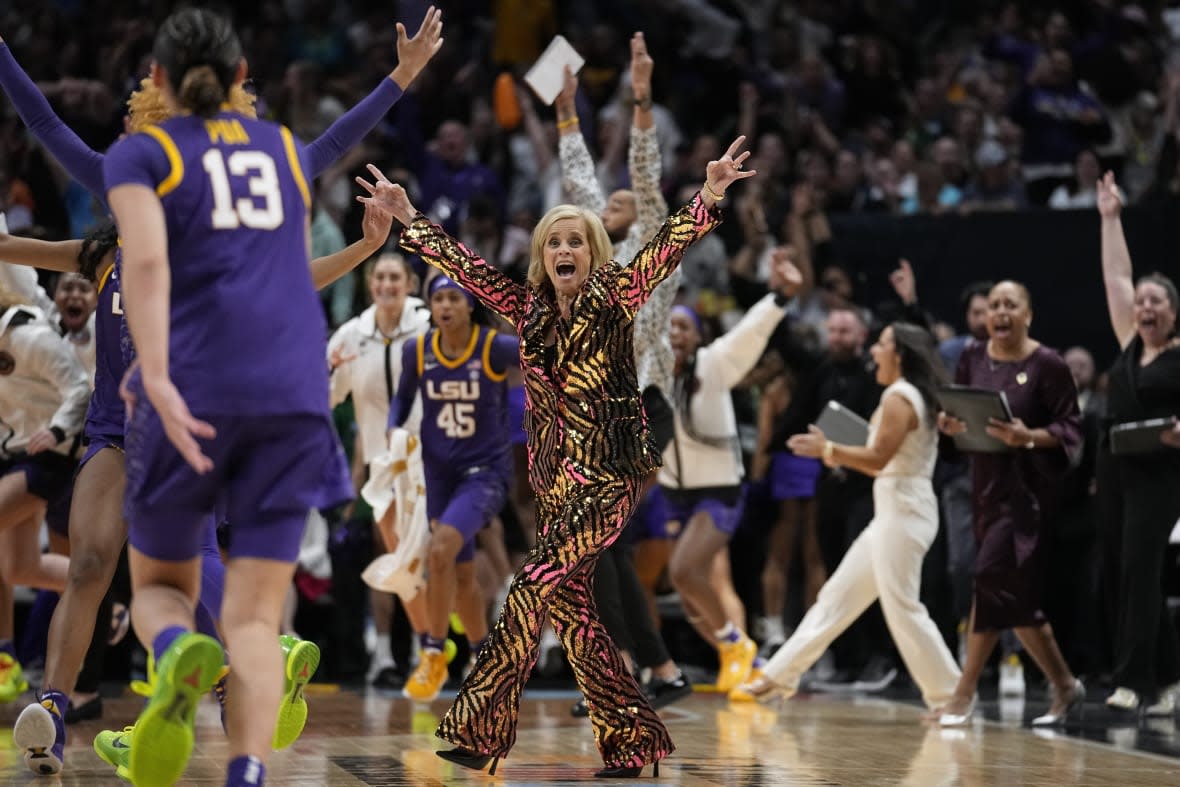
(1077, 702)
(761, 689)
(470, 759)
(959, 719)
(627, 772)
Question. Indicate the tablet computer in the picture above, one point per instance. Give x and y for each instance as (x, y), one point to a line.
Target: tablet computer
(1140, 437)
(976, 407)
(841, 425)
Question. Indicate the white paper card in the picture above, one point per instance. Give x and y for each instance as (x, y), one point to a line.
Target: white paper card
(547, 75)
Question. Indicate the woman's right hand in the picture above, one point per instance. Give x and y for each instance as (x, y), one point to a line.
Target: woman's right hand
(784, 276)
(387, 196)
(949, 425)
(1110, 197)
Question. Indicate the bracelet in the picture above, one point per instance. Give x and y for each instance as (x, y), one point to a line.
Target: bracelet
(829, 450)
(561, 124)
(713, 195)
(642, 103)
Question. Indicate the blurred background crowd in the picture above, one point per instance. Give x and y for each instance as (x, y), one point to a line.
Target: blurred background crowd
(878, 110)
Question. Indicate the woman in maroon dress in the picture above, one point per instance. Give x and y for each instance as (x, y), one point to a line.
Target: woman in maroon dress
(1015, 497)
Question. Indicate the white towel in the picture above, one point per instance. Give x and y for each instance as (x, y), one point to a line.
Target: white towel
(397, 476)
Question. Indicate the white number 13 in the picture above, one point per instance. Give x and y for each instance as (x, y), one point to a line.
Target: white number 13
(264, 184)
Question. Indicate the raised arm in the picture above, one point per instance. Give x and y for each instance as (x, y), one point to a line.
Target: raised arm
(61, 256)
(350, 128)
(663, 253)
(376, 225)
(430, 242)
(75, 156)
(643, 158)
(1116, 261)
(577, 167)
(724, 363)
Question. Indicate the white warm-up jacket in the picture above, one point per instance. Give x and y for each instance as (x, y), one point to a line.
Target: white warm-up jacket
(690, 463)
(42, 383)
(371, 376)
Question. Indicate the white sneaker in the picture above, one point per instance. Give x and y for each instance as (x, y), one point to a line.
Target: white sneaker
(1011, 677)
(1123, 699)
(1164, 707)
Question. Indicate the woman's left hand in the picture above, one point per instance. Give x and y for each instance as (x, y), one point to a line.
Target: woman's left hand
(1013, 434)
(376, 224)
(784, 276)
(43, 440)
(721, 173)
(810, 444)
(1172, 436)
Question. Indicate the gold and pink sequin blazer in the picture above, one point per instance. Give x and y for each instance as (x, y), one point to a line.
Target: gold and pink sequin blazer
(584, 417)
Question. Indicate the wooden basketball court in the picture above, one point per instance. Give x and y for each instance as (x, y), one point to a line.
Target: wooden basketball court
(382, 740)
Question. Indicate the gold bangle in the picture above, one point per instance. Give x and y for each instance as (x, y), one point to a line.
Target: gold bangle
(829, 450)
(713, 195)
(562, 124)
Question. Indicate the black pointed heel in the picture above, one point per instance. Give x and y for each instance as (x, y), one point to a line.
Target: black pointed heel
(470, 759)
(627, 772)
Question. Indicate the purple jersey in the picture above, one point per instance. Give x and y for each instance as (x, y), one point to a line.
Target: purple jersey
(107, 414)
(464, 402)
(247, 332)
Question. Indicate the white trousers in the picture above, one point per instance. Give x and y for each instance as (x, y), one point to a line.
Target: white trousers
(884, 563)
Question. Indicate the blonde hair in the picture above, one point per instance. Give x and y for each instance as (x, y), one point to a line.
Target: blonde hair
(600, 245)
(146, 105)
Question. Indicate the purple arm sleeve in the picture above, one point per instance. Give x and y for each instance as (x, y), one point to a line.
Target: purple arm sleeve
(407, 385)
(351, 127)
(505, 353)
(84, 164)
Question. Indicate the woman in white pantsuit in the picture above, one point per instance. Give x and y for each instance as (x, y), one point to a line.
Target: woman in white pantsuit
(885, 561)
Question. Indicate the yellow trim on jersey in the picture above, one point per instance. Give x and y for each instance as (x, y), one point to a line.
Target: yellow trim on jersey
(462, 359)
(103, 281)
(296, 170)
(421, 354)
(175, 162)
(492, 374)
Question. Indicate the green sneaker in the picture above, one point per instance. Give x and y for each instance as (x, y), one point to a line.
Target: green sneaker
(184, 673)
(12, 678)
(114, 748)
(303, 658)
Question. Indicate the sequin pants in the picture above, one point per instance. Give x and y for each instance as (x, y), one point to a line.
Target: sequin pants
(575, 523)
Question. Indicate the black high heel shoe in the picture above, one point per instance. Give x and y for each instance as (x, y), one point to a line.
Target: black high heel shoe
(470, 759)
(627, 772)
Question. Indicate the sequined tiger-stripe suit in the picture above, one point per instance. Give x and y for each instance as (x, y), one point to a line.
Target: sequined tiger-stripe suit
(589, 449)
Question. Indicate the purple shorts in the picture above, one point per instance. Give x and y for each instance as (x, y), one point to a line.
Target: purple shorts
(466, 503)
(793, 477)
(270, 471)
(650, 521)
(97, 442)
(516, 400)
(723, 504)
(48, 475)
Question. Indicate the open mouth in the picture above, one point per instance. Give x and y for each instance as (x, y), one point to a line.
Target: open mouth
(565, 270)
(1002, 329)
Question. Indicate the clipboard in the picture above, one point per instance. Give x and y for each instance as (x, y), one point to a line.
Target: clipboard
(547, 76)
(975, 407)
(841, 425)
(1139, 437)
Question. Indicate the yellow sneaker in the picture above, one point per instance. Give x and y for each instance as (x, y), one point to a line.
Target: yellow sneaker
(739, 693)
(163, 739)
(12, 678)
(737, 660)
(302, 659)
(114, 747)
(428, 677)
